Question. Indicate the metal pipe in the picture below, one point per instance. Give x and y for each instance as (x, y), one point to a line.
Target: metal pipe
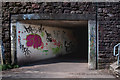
(117, 55)
(115, 49)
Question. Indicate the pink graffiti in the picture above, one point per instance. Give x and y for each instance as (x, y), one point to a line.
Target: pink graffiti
(19, 39)
(18, 31)
(56, 43)
(42, 45)
(33, 40)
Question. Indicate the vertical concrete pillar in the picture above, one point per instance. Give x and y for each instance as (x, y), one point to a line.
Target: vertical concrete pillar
(13, 43)
(92, 44)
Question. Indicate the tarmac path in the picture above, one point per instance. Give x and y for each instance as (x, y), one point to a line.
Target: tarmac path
(57, 68)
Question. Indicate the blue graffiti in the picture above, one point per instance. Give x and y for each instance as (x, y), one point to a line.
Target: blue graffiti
(3, 50)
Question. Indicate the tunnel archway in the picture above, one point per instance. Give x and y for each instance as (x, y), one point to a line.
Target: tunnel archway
(89, 30)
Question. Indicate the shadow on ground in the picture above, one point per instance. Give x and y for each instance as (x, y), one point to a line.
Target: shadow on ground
(68, 58)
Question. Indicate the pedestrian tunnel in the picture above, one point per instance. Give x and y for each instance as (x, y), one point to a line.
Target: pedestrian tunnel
(44, 39)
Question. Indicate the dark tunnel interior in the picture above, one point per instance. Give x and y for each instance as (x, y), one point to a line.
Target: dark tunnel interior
(81, 50)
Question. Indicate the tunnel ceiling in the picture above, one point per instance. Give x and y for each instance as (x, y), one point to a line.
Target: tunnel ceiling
(57, 23)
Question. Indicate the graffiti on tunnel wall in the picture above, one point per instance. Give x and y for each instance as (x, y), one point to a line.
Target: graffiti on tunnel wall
(24, 49)
(30, 29)
(48, 36)
(92, 44)
(38, 41)
(68, 46)
(33, 40)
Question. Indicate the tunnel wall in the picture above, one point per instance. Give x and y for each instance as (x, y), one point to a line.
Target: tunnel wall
(36, 42)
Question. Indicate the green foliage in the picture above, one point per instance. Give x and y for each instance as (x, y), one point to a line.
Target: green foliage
(8, 66)
(15, 66)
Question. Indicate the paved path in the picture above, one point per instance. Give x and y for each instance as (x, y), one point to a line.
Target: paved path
(57, 68)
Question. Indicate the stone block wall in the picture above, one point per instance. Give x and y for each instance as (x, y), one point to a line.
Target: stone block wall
(0, 28)
(109, 32)
(108, 18)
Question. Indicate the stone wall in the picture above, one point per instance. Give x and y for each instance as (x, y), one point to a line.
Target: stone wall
(109, 31)
(108, 17)
(0, 28)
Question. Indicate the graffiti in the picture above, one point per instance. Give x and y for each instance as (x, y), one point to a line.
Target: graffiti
(33, 40)
(92, 44)
(63, 34)
(44, 40)
(18, 31)
(28, 29)
(42, 45)
(55, 50)
(53, 40)
(49, 37)
(40, 29)
(57, 43)
(45, 51)
(56, 34)
(46, 43)
(33, 29)
(25, 50)
(42, 34)
(68, 46)
(3, 50)
(19, 39)
(92, 37)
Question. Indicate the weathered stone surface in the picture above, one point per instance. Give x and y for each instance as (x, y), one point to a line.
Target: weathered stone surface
(108, 17)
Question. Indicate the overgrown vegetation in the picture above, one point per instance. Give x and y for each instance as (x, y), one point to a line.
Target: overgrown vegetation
(8, 66)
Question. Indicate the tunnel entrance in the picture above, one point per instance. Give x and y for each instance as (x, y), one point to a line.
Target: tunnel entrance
(64, 36)
(64, 39)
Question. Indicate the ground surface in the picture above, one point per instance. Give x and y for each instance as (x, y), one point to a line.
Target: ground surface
(57, 68)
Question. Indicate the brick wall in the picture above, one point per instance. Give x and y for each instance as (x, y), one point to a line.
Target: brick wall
(108, 17)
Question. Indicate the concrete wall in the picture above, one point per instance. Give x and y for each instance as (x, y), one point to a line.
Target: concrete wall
(36, 42)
